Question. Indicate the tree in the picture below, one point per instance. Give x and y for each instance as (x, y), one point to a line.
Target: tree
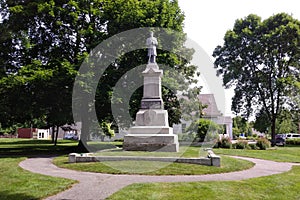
(240, 125)
(287, 122)
(43, 43)
(262, 123)
(261, 59)
(204, 127)
(124, 15)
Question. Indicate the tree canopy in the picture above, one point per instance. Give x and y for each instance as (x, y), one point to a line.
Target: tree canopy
(43, 43)
(260, 58)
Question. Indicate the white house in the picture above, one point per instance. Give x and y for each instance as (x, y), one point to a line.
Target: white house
(212, 113)
(43, 134)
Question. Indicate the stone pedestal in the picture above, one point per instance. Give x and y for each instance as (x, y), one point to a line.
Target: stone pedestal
(151, 131)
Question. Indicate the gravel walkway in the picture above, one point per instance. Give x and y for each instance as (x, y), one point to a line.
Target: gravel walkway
(100, 186)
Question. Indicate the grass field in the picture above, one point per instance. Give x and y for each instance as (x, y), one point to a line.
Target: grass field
(29, 147)
(154, 168)
(16, 183)
(275, 187)
(280, 154)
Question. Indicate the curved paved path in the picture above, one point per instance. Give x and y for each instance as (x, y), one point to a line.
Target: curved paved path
(100, 186)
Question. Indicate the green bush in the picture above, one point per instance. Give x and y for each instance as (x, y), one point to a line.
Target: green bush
(251, 138)
(202, 127)
(253, 146)
(263, 143)
(107, 130)
(293, 141)
(242, 144)
(224, 142)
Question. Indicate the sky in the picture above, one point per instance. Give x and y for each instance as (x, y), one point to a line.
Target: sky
(206, 23)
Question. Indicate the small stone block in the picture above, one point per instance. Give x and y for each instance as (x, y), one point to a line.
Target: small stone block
(215, 161)
(72, 157)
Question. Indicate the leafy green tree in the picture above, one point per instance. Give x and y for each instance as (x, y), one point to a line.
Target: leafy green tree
(134, 14)
(262, 124)
(204, 127)
(43, 43)
(124, 15)
(240, 125)
(286, 123)
(107, 130)
(261, 59)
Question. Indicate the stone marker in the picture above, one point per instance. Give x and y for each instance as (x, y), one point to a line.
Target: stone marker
(151, 131)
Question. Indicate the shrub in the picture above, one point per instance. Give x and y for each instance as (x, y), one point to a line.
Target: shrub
(251, 138)
(107, 129)
(263, 143)
(293, 141)
(203, 127)
(224, 142)
(241, 144)
(253, 146)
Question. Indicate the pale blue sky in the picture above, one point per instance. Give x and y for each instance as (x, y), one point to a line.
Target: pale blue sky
(207, 21)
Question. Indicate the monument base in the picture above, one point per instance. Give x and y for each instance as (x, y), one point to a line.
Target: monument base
(151, 142)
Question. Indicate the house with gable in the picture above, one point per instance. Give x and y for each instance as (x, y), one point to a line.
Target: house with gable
(212, 113)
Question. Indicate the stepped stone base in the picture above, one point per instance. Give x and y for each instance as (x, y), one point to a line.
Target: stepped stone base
(151, 142)
(150, 130)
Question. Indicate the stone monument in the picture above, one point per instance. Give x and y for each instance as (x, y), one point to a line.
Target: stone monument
(151, 131)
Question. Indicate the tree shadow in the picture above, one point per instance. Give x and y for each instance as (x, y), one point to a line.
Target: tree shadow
(7, 195)
(35, 148)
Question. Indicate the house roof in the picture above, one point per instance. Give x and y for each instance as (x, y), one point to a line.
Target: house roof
(212, 108)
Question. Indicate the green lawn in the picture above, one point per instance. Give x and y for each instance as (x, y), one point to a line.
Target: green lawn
(275, 187)
(30, 147)
(280, 154)
(184, 151)
(16, 183)
(154, 168)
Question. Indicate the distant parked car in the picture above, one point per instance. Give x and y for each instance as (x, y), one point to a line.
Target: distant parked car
(75, 137)
(281, 136)
(279, 141)
(292, 136)
(71, 136)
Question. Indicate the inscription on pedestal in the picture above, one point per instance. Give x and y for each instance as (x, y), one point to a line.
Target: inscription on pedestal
(149, 117)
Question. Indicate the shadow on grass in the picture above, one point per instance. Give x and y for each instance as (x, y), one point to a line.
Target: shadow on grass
(14, 141)
(7, 195)
(35, 148)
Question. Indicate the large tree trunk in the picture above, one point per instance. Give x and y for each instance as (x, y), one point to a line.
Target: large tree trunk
(53, 134)
(273, 131)
(56, 135)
